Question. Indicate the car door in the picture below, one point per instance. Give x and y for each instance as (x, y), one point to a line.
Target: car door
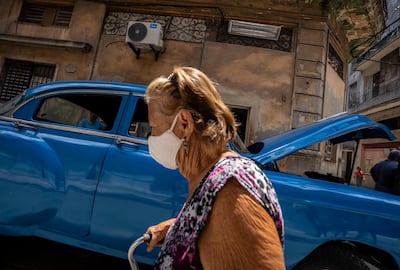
(77, 152)
(82, 151)
(134, 191)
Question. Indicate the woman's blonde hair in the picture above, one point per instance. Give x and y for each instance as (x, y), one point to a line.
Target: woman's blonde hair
(189, 88)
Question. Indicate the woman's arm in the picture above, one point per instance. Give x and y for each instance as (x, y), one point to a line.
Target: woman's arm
(240, 234)
(158, 233)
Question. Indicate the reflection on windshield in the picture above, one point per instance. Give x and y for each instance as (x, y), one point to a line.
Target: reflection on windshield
(7, 108)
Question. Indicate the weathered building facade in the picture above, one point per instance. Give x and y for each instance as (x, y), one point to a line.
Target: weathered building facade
(273, 85)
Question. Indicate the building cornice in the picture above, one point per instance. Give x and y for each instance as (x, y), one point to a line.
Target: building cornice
(44, 42)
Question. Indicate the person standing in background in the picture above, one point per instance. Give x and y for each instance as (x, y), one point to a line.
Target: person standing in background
(93, 122)
(359, 175)
(384, 172)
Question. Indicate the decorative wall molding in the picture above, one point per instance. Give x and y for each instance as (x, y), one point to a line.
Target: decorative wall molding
(192, 30)
(175, 28)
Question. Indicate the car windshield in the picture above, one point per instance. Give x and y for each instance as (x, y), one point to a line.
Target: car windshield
(238, 145)
(7, 108)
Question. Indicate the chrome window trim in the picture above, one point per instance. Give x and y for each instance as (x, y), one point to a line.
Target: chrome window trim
(77, 91)
(98, 133)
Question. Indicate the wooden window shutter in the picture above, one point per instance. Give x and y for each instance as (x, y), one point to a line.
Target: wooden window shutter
(46, 14)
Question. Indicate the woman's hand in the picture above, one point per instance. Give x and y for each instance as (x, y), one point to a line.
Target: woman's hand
(158, 233)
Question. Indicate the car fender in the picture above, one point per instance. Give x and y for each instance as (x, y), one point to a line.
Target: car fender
(32, 171)
(358, 219)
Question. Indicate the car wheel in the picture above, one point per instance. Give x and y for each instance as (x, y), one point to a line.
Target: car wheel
(334, 258)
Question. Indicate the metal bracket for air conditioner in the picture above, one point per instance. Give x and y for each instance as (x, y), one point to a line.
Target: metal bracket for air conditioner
(138, 50)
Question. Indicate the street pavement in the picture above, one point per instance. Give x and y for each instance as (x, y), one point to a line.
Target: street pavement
(29, 253)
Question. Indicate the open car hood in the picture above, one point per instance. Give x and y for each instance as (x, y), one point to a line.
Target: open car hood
(336, 129)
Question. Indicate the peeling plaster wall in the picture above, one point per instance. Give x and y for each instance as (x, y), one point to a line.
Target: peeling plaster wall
(118, 61)
(260, 79)
(334, 98)
(256, 78)
(281, 89)
(71, 63)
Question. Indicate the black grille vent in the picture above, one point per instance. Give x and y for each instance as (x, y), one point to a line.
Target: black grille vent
(46, 15)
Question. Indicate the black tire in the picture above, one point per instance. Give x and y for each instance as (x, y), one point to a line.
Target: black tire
(334, 258)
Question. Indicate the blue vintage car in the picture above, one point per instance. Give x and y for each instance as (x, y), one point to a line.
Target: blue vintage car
(96, 187)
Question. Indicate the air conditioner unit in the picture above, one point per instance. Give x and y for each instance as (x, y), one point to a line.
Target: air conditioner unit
(144, 34)
(257, 30)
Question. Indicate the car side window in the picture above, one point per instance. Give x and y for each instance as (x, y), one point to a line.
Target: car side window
(139, 126)
(90, 111)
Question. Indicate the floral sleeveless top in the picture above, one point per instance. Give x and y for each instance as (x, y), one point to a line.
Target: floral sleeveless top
(179, 250)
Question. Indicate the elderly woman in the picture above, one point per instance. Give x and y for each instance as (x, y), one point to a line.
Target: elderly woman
(231, 218)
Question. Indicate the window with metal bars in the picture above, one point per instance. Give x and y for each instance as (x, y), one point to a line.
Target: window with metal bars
(19, 75)
(45, 14)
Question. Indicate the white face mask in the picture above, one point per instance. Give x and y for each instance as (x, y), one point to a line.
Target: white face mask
(164, 148)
